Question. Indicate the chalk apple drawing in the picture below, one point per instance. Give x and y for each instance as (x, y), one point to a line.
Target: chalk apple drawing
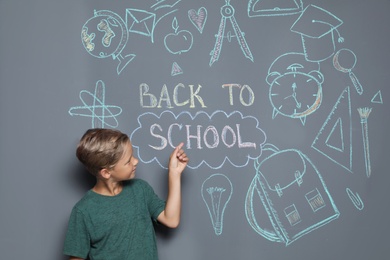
(178, 41)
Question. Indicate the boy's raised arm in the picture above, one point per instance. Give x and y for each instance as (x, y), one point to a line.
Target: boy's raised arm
(178, 160)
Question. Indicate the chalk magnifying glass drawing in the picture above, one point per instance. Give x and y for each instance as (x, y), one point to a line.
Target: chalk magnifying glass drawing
(347, 56)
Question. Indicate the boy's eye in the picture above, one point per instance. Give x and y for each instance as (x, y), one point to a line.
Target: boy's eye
(128, 162)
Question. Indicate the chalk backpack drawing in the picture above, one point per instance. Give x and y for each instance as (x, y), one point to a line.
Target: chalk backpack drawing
(287, 197)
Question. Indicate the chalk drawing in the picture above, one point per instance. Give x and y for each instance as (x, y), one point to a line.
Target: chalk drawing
(94, 106)
(216, 193)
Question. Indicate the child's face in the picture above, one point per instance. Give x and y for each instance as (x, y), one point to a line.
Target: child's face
(125, 168)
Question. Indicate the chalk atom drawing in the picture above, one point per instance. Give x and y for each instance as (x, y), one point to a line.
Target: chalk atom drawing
(94, 106)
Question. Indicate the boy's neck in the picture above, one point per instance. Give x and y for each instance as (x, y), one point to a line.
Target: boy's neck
(107, 188)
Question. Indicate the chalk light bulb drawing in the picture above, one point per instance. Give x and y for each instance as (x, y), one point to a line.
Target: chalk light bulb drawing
(216, 193)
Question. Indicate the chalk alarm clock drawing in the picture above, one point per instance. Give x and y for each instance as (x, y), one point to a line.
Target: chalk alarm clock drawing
(295, 86)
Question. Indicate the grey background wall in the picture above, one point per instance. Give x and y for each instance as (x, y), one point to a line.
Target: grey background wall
(269, 113)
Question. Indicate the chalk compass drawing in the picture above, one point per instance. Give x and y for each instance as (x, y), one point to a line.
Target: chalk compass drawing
(94, 107)
(337, 63)
(316, 27)
(289, 191)
(216, 193)
(105, 35)
(295, 86)
(274, 8)
(227, 12)
(334, 140)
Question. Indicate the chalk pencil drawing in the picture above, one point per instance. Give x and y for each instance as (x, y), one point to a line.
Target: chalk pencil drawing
(364, 113)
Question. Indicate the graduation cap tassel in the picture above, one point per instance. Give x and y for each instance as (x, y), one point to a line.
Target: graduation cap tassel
(340, 39)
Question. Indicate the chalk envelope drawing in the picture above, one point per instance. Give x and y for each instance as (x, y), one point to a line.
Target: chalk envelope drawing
(289, 191)
(216, 192)
(94, 106)
(141, 22)
(210, 140)
(106, 35)
(334, 140)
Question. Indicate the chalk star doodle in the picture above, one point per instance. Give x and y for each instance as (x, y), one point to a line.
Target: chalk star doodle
(98, 111)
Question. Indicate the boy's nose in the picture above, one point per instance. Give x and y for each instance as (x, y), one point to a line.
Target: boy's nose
(135, 161)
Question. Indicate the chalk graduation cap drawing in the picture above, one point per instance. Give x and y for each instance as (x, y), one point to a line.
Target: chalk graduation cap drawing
(316, 27)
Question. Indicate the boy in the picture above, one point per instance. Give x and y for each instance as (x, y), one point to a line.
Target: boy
(114, 220)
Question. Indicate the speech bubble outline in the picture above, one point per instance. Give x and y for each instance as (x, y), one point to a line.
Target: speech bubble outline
(147, 152)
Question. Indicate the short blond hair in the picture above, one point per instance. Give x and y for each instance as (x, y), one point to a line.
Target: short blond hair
(101, 148)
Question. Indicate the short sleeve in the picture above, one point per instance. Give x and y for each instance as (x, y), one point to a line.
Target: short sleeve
(155, 204)
(77, 240)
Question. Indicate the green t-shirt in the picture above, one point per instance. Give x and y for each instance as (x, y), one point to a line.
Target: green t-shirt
(115, 228)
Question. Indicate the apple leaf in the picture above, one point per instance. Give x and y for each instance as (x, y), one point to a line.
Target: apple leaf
(175, 24)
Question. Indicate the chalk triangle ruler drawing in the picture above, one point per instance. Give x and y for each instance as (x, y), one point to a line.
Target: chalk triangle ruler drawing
(377, 98)
(334, 140)
(176, 70)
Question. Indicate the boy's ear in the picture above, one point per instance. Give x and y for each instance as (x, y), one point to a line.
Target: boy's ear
(105, 173)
